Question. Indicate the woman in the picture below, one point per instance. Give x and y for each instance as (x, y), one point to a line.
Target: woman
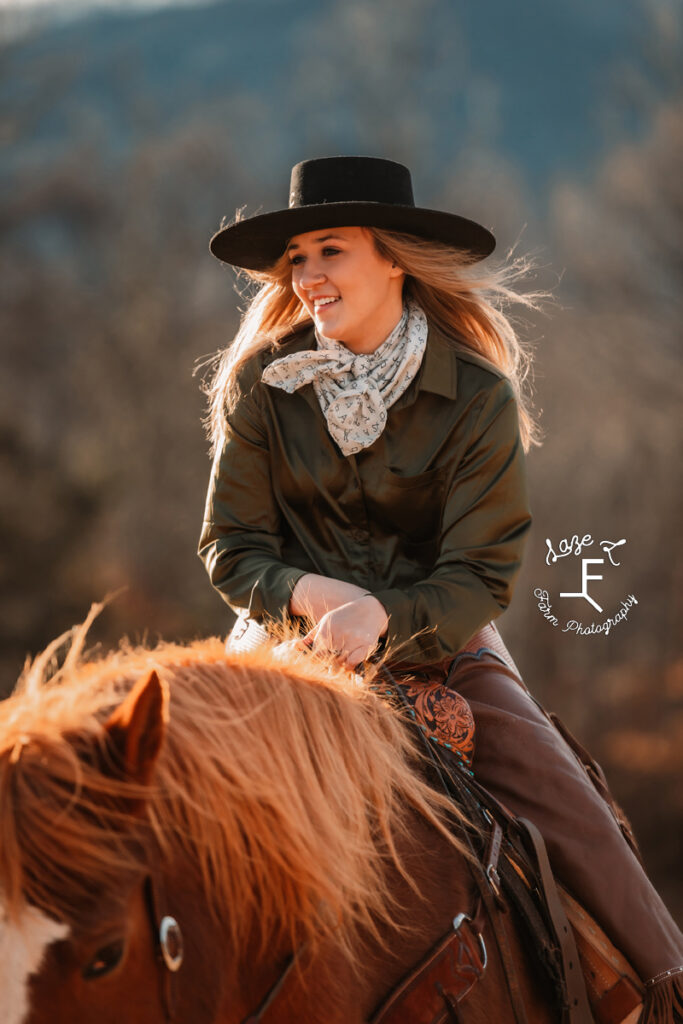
(369, 432)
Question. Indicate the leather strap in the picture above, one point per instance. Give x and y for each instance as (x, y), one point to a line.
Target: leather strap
(491, 860)
(155, 901)
(496, 918)
(577, 1010)
(540, 928)
(442, 979)
(500, 934)
(271, 995)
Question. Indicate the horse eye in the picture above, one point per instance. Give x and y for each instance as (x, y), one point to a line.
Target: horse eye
(104, 961)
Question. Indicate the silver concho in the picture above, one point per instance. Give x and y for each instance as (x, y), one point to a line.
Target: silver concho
(171, 943)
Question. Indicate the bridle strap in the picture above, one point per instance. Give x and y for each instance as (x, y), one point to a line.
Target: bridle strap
(274, 990)
(155, 902)
(154, 898)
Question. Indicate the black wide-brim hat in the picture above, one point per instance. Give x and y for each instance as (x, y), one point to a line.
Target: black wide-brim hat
(339, 191)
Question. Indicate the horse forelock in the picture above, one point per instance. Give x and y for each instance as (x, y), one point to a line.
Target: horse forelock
(285, 784)
(66, 832)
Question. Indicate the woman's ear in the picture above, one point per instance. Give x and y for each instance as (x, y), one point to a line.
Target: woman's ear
(137, 727)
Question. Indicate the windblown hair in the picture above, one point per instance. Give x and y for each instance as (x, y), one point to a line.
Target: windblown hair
(466, 300)
(287, 788)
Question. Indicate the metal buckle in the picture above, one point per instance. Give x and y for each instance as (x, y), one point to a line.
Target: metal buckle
(457, 922)
(171, 943)
(494, 881)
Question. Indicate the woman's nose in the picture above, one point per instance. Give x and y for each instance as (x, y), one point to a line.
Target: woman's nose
(311, 276)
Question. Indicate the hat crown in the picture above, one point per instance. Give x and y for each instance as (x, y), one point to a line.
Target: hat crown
(345, 179)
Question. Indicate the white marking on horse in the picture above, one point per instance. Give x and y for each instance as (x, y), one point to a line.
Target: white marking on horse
(22, 948)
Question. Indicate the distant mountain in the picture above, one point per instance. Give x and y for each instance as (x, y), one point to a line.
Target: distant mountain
(544, 83)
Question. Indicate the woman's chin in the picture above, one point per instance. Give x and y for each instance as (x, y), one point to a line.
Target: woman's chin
(329, 324)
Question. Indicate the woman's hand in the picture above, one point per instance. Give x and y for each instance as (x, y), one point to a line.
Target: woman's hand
(351, 633)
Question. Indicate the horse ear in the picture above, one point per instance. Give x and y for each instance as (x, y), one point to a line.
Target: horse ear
(136, 728)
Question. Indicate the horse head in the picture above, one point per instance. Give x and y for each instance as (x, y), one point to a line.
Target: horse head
(75, 945)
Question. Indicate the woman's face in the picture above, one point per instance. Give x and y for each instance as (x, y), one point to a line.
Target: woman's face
(342, 264)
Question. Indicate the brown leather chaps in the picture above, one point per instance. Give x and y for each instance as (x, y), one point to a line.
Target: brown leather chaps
(527, 764)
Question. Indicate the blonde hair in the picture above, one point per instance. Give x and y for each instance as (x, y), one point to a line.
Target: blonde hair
(461, 297)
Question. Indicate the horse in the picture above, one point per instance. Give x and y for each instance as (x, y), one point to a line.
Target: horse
(270, 812)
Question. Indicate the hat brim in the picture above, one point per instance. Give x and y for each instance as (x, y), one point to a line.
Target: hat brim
(256, 243)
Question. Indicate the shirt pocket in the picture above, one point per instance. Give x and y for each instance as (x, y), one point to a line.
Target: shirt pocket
(412, 506)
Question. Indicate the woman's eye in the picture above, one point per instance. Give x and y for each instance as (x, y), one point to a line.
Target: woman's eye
(327, 251)
(104, 961)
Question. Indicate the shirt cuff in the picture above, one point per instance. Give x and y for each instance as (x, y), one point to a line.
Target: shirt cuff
(399, 638)
(271, 595)
(413, 643)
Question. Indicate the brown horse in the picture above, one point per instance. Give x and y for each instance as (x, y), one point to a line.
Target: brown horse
(268, 807)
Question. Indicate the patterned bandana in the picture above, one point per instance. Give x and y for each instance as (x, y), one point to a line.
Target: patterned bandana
(355, 391)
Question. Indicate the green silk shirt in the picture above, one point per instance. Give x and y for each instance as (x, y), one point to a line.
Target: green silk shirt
(432, 518)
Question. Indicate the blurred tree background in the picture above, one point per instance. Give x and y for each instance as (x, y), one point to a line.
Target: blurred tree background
(128, 135)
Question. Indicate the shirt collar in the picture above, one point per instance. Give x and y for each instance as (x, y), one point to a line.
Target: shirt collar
(439, 366)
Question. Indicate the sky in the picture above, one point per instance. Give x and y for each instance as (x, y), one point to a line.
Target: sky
(22, 16)
(70, 8)
(84, 5)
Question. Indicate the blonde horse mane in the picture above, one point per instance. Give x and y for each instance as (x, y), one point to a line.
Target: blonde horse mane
(287, 785)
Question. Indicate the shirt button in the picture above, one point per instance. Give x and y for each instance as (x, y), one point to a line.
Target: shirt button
(361, 536)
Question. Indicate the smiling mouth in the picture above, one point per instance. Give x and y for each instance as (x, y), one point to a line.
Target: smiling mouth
(317, 306)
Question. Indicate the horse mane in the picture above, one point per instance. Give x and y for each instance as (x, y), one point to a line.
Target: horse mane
(287, 784)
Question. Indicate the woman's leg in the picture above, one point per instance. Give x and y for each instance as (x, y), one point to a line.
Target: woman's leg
(527, 765)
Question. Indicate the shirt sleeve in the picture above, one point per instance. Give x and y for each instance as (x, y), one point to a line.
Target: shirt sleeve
(241, 543)
(484, 530)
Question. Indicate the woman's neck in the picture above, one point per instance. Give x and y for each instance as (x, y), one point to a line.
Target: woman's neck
(368, 340)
